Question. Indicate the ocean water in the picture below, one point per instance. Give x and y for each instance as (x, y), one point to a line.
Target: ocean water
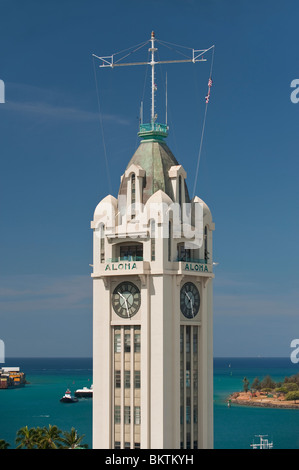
(237, 426)
(37, 404)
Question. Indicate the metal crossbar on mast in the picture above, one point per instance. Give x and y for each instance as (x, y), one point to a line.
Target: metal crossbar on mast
(108, 61)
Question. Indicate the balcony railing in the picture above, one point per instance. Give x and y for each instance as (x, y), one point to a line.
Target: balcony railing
(193, 260)
(125, 258)
(153, 128)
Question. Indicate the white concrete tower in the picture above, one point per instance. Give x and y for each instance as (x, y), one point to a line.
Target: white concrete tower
(152, 307)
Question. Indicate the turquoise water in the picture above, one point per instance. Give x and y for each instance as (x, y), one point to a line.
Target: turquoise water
(235, 427)
(37, 404)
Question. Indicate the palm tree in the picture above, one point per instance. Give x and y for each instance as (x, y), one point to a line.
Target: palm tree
(4, 444)
(26, 438)
(49, 438)
(72, 440)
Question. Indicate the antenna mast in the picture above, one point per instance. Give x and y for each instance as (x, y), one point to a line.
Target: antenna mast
(166, 102)
(153, 128)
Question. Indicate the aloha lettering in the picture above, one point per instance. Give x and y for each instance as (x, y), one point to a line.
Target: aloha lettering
(120, 266)
(196, 267)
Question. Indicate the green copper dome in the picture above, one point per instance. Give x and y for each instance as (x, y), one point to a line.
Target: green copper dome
(155, 157)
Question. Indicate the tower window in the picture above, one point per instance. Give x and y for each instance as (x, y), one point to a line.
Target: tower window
(117, 414)
(127, 415)
(102, 243)
(195, 342)
(206, 244)
(137, 340)
(195, 414)
(137, 415)
(127, 341)
(127, 378)
(169, 240)
(137, 378)
(184, 254)
(180, 191)
(131, 252)
(189, 374)
(117, 378)
(117, 343)
(195, 380)
(133, 194)
(153, 240)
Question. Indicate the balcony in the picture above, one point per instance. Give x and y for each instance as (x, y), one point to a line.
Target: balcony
(153, 130)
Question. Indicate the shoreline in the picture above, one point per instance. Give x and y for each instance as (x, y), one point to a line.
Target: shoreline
(246, 399)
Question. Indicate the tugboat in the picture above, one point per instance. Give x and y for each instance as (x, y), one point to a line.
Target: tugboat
(84, 392)
(68, 398)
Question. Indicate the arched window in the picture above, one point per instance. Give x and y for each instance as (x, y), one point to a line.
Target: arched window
(102, 243)
(133, 194)
(153, 239)
(180, 191)
(169, 240)
(183, 253)
(206, 254)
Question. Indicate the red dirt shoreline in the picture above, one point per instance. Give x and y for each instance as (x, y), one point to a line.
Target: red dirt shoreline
(261, 400)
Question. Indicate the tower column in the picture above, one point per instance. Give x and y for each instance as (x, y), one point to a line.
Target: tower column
(145, 363)
(102, 379)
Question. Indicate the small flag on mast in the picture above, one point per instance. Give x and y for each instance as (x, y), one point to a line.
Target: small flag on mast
(210, 83)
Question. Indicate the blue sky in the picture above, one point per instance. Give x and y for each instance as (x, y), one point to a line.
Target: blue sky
(53, 170)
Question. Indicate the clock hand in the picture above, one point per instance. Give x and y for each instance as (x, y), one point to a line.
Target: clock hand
(125, 303)
(130, 299)
(190, 303)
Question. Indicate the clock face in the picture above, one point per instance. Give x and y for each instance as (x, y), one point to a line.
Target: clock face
(126, 299)
(189, 300)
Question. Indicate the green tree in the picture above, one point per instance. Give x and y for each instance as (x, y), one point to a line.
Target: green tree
(4, 444)
(267, 382)
(291, 387)
(292, 396)
(71, 440)
(26, 438)
(293, 378)
(245, 384)
(256, 384)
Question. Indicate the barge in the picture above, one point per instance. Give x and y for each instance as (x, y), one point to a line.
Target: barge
(11, 377)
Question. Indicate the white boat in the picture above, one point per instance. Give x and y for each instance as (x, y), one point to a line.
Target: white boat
(84, 392)
(263, 443)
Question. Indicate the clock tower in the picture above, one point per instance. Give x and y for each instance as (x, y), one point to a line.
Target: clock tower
(152, 307)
